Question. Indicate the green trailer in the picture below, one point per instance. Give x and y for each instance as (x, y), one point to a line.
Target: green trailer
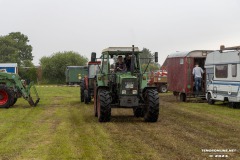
(74, 74)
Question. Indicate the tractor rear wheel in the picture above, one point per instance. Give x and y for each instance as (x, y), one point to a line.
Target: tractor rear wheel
(86, 98)
(151, 111)
(14, 101)
(138, 112)
(103, 105)
(6, 97)
(82, 95)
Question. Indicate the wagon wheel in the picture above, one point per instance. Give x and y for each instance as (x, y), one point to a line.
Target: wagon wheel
(163, 89)
(183, 97)
(6, 97)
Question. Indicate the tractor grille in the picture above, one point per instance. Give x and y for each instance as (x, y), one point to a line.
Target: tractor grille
(129, 86)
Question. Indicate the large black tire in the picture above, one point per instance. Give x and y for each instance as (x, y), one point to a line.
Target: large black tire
(183, 97)
(14, 101)
(151, 111)
(103, 105)
(138, 112)
(82, 87)
(209, 99)
(163, 89)
(86, 98)
(82, 95)
(6, 97)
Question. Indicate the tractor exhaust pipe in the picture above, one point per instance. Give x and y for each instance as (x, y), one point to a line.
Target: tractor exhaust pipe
(132, 60)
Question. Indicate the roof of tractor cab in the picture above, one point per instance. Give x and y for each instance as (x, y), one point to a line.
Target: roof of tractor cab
(120, 50)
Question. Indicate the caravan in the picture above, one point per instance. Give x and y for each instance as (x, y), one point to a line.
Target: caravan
(223, 76)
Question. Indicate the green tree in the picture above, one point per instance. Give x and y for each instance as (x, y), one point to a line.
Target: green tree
(28, 71)
(53, 67)
(146, 53)
(144, 60)
(14, 48)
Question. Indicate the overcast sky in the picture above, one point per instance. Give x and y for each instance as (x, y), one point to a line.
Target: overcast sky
(85, 26)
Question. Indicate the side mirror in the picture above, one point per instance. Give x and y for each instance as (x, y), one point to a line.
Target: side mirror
(93, 57)
(156, 56)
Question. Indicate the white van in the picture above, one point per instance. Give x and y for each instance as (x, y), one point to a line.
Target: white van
(223, 76)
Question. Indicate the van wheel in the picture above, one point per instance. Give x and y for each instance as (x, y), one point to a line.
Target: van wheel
(209, 99)
(183, 97)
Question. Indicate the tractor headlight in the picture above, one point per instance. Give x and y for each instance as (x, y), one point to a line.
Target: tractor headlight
(124, 91)
(134, 92)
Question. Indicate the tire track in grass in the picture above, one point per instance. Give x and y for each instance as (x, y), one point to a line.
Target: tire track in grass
(125, 133)
(204, 131)
(92, 139)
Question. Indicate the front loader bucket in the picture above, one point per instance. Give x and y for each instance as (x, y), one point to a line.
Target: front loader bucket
(36, 97)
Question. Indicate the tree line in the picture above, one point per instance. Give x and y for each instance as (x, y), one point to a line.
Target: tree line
(15, 48)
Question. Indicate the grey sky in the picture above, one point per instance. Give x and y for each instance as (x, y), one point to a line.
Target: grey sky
(92, 25)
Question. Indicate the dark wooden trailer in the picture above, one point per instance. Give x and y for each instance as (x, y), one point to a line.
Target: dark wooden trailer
(180, 79)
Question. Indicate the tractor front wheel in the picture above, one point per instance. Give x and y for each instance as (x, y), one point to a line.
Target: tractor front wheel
(6, 97)
(103, 105)
(151, 111)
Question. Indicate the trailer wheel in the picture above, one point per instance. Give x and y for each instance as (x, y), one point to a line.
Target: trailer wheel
(6, 97)
(209, 99)
(232, 105)
(151, 111)
(163, 89)
(138, 112)
(103, 105)
(183, 97)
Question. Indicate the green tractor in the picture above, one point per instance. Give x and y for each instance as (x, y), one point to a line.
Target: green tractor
(126, 88)
(13, 87)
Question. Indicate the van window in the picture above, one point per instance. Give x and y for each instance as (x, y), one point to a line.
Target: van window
(221, 71)
(234, 70)
(181, 60)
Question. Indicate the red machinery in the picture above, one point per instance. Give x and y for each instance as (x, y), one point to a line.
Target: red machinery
(159, 79)
(87, 83)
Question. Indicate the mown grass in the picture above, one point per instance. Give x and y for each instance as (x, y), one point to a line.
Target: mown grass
(61, 127)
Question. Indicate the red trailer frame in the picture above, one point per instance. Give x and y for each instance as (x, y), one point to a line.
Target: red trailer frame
(180, 79)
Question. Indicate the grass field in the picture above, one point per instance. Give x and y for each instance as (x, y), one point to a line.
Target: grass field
(61, 127)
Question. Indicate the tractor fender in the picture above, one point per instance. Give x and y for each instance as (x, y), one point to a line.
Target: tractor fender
(146, 88)
(102, 87)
